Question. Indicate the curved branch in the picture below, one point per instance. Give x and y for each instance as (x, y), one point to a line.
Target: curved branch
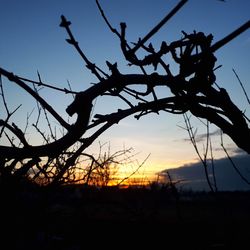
(240, 135)
(56, 147)
(15, 130)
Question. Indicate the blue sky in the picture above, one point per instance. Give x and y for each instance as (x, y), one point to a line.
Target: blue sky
(32, 40)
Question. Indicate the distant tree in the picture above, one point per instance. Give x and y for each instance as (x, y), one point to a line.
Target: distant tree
(192, 90)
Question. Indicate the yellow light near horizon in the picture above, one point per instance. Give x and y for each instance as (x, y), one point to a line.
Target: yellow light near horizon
(134, 174)
(147, 174)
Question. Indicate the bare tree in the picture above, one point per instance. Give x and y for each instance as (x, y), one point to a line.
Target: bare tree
(193, 89)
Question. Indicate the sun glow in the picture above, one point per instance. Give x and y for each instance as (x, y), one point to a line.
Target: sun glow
(144, 176)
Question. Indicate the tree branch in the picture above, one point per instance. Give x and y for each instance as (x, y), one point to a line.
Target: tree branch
(15, 79)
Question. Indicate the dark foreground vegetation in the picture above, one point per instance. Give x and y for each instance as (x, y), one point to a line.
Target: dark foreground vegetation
(76, 217)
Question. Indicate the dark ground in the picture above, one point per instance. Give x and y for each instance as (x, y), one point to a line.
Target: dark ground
(75, 218)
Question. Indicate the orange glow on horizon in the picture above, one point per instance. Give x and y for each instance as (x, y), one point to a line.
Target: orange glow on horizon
(146, 175)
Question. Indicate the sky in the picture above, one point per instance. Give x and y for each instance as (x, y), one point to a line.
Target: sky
(31, 41)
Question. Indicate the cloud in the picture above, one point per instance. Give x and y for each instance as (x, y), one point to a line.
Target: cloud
(201, 137)
(231, 149)
(192, 175)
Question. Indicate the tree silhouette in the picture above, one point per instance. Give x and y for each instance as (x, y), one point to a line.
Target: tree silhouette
(193, 89)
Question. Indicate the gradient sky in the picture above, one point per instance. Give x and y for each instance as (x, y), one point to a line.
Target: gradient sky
(32, 40)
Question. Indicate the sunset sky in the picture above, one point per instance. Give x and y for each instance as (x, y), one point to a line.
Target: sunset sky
(31, 41)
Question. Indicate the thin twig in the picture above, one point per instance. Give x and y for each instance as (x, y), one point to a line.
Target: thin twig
(232, 162)
(123, 41)
(193, 141)
(136, 170)
(3, 96)
(65, 24)
(66, 91)
(213, 167)
(23, 85)
(159, 25)
(241, 84)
